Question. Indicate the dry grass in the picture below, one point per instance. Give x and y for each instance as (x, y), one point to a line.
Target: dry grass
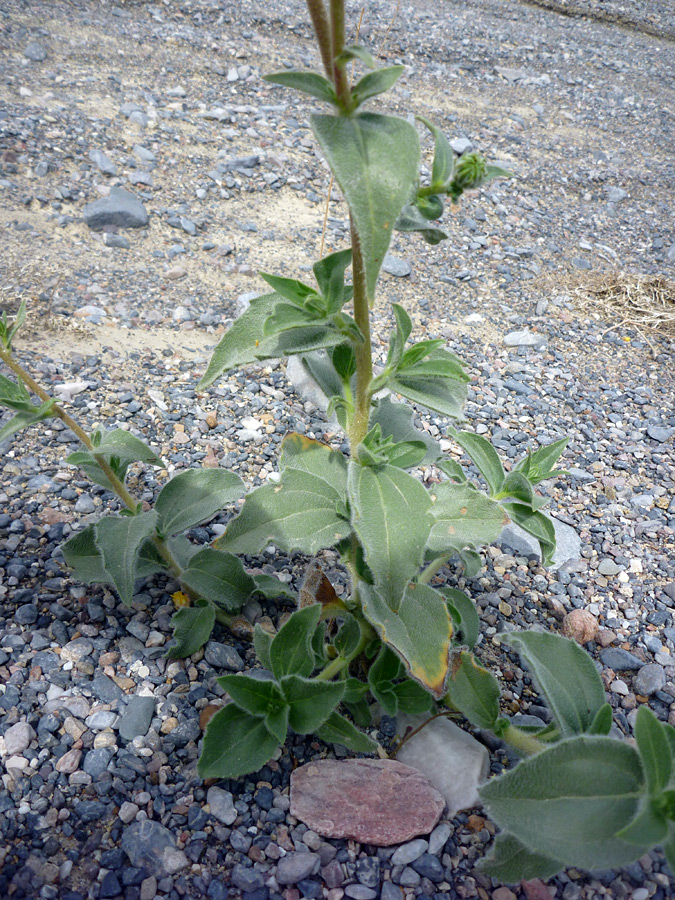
(645, 303)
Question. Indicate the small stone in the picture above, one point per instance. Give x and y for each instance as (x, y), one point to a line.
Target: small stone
(429, 866)
(399, 268)
(105, 689)
(649, 679)
(524, 338)
(438, 838)
(461, 145)
(18, 738)
(101, 719)
(360, 892)
(128, 812)
(107, 166)
(150, 845)
(295, 866)
(222, 656)
(409, 852)
(658, 432)
(619, 659)
(373, 801)
(121, 208)
(581, 625)
(454, 762)
(247, 879)
(96, 762)
(76, 650)
(136, 719)
(391, 891)
(615, 194)
(221, 804)
(503, 893)
(69, 762)
(608, 567)
(116, 240)
(35, 52)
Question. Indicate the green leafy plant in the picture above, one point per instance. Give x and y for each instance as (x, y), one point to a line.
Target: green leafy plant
(400, 639)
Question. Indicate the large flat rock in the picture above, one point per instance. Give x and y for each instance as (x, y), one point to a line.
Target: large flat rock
(120, 209)
(373, 801)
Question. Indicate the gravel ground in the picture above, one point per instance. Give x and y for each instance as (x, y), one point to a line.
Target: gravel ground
(167, 101)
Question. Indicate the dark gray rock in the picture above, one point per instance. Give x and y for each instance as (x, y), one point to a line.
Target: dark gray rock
(247, 879)
(295, 866)
(116, 240)
(223, 657)
(96, 761)
(649, 679)
(137, 717)
(121, 209)
(151, 846)
(620, 660)
(659, 433)
(105, 689)
(35, 52)
(102, 162)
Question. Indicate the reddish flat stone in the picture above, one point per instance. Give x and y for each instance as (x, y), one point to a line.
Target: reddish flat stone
(373, 801)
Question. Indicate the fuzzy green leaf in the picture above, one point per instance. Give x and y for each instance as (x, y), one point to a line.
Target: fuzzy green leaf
(252, 694)
(24, 418)
(195, 496)
(474, 691)
(420, 632)
(538, 525)
(355, 51)
(564, 675)
(539, 466)
(291, 649)
(510, 862)
(235, 744)
(602, 723)
(411, 218)
(390, 514)
(192, 627)
(307, 82)
(463, 517)
(649, 827)
(14, 395)
(471, 561)
(438, 382)
(310, 702)
(396, 421)
(338, 730)
(376, 83)
(219, 577)
(262, 642)
(272, 588)
(330, 276)
(464, 617)
(484, 456)
(290, 288)
(573, 796)
(119, 539)
(375, 160)
(654, 750)
(412, 699)
(83, 556)
(119, 449)
(444, 156)
(298, 513)
(349, 634)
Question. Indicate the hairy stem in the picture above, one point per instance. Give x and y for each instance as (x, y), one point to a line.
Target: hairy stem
(432, 569)
(319, 17)
(521, 741)
(337, 665)
(337, 45)
(81, 435)
(364, 366)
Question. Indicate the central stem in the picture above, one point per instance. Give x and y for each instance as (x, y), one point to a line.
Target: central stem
(364, 366)
(337, 42)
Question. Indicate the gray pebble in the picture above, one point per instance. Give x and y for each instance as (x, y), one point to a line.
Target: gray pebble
(399, 268)
(35, 52)
(103, 163)
(406, 853)
(222, 805)
(618, 659)
(151, 845)
(222, 656)
(295, 866)
(649, 679)
(120, 208)
(137, 717)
